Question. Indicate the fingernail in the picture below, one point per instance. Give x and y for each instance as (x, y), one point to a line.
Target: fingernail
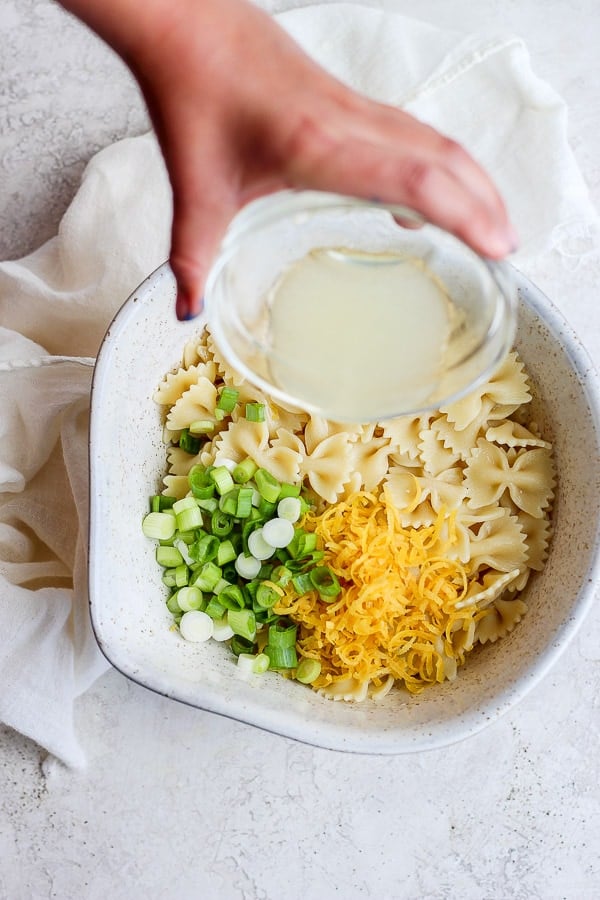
(182, 306)
(186, 309)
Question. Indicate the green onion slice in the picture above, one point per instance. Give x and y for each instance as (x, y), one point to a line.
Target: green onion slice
(222, 479)
(281, 657)
(202, 426)
(232, 598)
(189, 442)
(221, 524)
(268, 486)
(325, 581)
(255, 412)
(282, 635)
(228, 399)
(244, 471)
(243, 623)
(159, 526)
(308, 670)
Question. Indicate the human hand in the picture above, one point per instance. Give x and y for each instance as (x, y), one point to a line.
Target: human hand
(241, 111)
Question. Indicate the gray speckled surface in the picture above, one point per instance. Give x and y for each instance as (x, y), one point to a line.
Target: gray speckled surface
(177, 803)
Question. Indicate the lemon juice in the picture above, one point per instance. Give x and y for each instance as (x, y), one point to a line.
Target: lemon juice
(352, 332)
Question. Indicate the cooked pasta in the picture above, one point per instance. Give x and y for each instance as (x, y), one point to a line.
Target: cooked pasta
(432, 523)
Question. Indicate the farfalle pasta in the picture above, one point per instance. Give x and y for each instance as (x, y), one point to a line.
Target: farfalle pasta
(433, 523)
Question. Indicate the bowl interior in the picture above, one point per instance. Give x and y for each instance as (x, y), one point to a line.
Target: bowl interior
(132, 624)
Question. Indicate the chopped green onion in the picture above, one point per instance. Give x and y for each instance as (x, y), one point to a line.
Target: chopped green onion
(289, 508)
(185, 503)
(305, 506)
(159, 526)
(243, 623)
(268, 594)
(207, 577)
(282, 635)
(189, 442)
(201, 484)
(196, 626)
(172, 604)
(245, 663)
(325, 581)
(268, 487)
(168, 578)
(214, 609)
(255, 412)
(221, 524)
(232, 598)
(251, 588)
(210, 504)
(160, 502)
(228, 502)
(189, 598)
(261, 663)
(220, 414)
(244, 471)
(222, 629)
(222, 479)
(281, 575)
(302, 583)
(278, 532)
(229, 573)
(220, 586)
(228, 399)
(205, 548)
(266, 508)
(202, 426)
(289, 490)
(226, 553)
(244, 503)
(281, 657)
(184, 549)
(302, 543)
(247, 566)
(240, 644)
(189, 519)
(169, 557)
(182, 574)
(308, 670)
(306, 562)
(258, 547)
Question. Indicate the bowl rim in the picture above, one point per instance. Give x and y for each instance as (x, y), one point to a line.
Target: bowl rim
(336, 736)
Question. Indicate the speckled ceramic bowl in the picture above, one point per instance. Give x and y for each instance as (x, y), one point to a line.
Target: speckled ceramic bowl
(129, 615)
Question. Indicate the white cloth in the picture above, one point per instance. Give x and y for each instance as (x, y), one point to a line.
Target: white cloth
(56, 304)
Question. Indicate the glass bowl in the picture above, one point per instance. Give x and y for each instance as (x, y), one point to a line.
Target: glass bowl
(329, 304)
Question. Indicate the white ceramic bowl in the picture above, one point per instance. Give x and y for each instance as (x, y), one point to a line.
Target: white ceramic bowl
(133, 626)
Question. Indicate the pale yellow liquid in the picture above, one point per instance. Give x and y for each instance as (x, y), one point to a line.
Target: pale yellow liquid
(359, 336)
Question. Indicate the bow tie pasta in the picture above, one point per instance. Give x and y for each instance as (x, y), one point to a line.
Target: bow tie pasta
(416, 542)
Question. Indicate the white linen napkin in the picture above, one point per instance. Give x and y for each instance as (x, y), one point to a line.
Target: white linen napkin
(56, 304)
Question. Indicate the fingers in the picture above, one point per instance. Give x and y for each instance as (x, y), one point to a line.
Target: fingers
(198, 228)
(203, 206)
(390, 155)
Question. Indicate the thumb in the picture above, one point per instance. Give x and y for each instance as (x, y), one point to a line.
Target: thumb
(201, 214)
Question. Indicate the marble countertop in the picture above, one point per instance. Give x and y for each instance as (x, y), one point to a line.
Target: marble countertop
(177, 803)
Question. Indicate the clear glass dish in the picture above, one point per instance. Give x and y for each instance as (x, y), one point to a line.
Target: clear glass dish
(392, 321)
